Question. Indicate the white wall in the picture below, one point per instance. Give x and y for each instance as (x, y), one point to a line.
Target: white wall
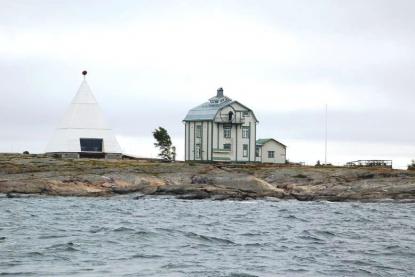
(191, 141)
(236, 140)
(68, 140)
(217, 140)
(280, 152)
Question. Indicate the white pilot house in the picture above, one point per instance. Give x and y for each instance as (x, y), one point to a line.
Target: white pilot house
(83, 131)
(220, 130)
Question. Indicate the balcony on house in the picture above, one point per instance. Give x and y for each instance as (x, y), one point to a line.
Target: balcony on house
(231, 118)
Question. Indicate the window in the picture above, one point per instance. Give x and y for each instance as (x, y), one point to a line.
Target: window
(198, 131)
(271, 154)
(227, 146)
(197, 151)
(230, 116)
(245, 150)
(245, 132)
(91, 145)
(245, 114)
(227, 131)
(257, 151)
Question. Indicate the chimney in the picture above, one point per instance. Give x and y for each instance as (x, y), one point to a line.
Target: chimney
(220, 92)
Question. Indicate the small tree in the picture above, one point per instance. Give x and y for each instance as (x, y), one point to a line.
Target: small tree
(163, 143)
(412, 165)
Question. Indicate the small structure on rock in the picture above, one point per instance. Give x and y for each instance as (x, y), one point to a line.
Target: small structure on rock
(370, 163)
(220, 130)
(224, 130)
(270, 151)
(84, 132)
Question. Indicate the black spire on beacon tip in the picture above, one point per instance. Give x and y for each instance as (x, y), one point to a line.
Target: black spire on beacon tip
(84, 72)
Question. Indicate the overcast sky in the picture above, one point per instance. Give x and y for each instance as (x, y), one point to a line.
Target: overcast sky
(149, 62)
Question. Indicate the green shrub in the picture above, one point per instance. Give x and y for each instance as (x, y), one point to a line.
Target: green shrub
(412, 165)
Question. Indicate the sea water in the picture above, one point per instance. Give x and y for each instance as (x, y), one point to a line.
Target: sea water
(121, 236)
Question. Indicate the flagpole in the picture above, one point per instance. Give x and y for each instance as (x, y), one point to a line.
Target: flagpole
(325, 139)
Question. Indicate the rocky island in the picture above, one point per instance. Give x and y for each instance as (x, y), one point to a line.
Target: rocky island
(45, 175)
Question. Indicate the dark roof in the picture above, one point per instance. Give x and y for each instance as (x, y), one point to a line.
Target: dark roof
(208, 110)
(264, 141)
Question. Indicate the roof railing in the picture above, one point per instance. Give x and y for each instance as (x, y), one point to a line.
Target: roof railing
(370, 163)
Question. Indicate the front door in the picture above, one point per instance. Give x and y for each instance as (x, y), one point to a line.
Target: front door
(197, 152)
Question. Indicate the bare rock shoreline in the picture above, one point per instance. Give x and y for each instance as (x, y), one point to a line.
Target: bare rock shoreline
(43, 175)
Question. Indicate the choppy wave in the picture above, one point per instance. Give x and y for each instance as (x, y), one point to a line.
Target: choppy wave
(168, 237)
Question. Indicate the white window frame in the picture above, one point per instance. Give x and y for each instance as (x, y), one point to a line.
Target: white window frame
(227, 132)
(245, 132)
(245, 150)
(230, 146)
(198, 131)
(271, 154)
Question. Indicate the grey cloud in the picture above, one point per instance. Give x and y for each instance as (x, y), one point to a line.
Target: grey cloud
(393, 126)
(362, 47)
